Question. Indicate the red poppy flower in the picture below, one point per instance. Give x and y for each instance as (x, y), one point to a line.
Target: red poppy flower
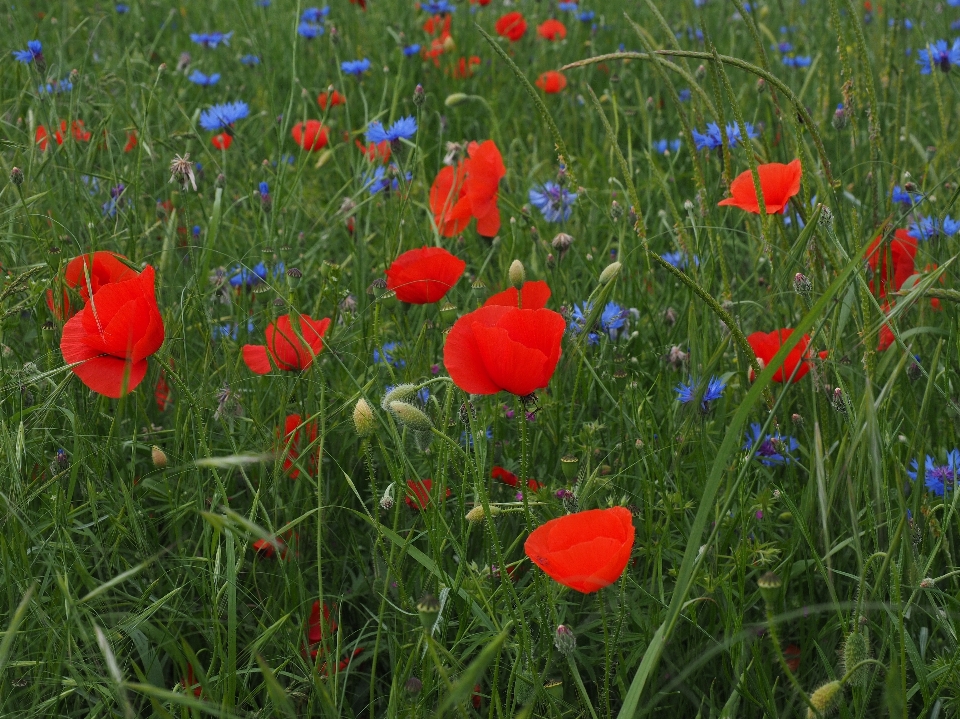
(296, 437)
(438, 24)
(222, 141)
(318, 629)
(551, 82)
(885, 337)
(476, 697)
(311, 135)
(552, 30)
(791, 653)
(131, 141)
(533, 296)
(104, 268)
(418, 494)
(930, 267)
(79, 132)
(189, 681)
(585, 551)
(894, 258)
(504, 348)
(509, 478)
(778, 183)
(481, 3)
(424, 276)
(331, 98)
(269, 548)
(376, 151)
(511, 26)
(361, 3)
(161, 393)
(765, 346)
(464, 67)
(290, 348)
(42, 136)
(470, 190)
(114, 334)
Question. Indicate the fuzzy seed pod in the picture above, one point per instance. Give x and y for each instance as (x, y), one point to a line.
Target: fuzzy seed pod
(517, 274)
(856, 648)
(158, 456)
(477, 514)
(363, 419)
(411, 416)
(824, 699)
(610, 272)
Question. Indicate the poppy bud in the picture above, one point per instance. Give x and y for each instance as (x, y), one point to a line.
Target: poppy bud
(456, 99)
(824, 699)
(429, 609)
(610, 272)
(564, 640)
(770, 585)
(448, 44)
(411, 416)
(856, 648)
(477, 514)
(419, 96)
(569, 464)
(158, 456)
(517, 274)
(448, 313)
(413, 686)
(16, 176)
(363, 418)
(802, 284)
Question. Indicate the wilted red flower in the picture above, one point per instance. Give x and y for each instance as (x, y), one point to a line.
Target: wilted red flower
(469, 190)
(424, 276)
(891, 261)
(222, 141)
(79, 132)
(464, 67)
(331, 98)
(585, 551)
(766, 345)
(113, 335)
(131, 141)
(509, 478)
(778, 183)
(498, 348)
(311, 135)
(291, 348)
(551, 82)
(376, 151)
(511, 26)
(296, 437)
(418, 493)
(533, 296)
(552, 30)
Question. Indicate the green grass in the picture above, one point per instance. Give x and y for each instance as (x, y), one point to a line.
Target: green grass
(120, 574)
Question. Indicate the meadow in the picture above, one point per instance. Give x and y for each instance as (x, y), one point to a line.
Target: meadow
(509, 358)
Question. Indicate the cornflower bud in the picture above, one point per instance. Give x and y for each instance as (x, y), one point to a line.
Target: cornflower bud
(802, 284)
(419, 96)
(413, 686)
(564, 640)
(16, 176)
(701, 73)
(839, 118)
(562, 242)
(616, 211)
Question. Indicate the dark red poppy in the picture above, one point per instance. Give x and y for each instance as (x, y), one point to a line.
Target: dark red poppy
(552, 30)
(791, 653)
(481, 3)
(418, 493)
(131, 141)
(766, 345)
(161, 393)
(375, 151)
(476, 697)
(290, 348)
(318, 629)
(778, 183)
(222, 141)
(551, 82)
(469, 190)
(270, 548)
(532, 296)
(111, 338)
(361, 3)
(509, 478)
(424, 276)
(330, 98)
(891, 262)
(585, 551)
(189, 681)
(311, 135)
(296, 437)
(511, 26)
(504, 348)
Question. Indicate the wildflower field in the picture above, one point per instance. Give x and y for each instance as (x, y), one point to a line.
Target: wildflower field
(502, 358)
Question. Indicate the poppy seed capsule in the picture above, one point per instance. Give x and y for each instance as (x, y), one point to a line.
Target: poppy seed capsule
(294, 276)
(610, 272)
(363, 419)
(517, 274)
(16, 176)
(429, 609)
(411, 416)
(824, 700)
(158, 456)
(448, 313)
(769, 585)
(569, 464)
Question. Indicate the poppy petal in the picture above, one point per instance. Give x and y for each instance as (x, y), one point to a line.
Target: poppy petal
(255, 357)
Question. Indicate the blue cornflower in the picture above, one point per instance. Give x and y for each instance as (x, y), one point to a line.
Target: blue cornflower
(309, 30)
(249, 60)
(198, 78)
(122, 8)
(772, 450)
(313, 14)
(578, 321)
(110, 206)
(902, 196)
(57, 87)
(229, 330)
(223, 115)
(939, 55)
(939, 479)
(355, 67)
(33, 52)
(797, 61)
(196, 230)
(264, 189)
(211, 39)
(381, 179)
(567, 6)
(437, 7)
(679, 259)
(613, 321)
(466, 439)
(783, 47)
(664, 147)
(712, 139)
(262, 3)
(950, 227)
(925, 228)
(555, 202)
(685, 94)
(955, 25)
(712, 392)
(586, 16)
(403, 128)
(411, 50)
(386, 354)
(244, 277)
